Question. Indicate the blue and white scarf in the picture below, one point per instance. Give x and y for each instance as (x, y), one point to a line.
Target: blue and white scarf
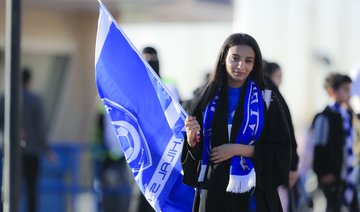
(349, 155)
(242, 173)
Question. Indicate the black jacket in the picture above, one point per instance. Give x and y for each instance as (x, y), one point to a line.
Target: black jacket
(328, 154)
(294, 154)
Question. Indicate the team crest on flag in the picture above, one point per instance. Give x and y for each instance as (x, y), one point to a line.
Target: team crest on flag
(130, 136)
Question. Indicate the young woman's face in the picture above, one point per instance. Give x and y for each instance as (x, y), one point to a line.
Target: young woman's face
(239, 62)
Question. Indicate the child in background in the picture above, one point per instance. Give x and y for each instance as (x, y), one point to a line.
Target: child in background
(333, 153)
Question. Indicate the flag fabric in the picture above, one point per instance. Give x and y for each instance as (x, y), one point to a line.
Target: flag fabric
(148, 122)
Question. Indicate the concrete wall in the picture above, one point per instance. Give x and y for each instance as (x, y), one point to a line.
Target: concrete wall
(77, 111)
(50, 33)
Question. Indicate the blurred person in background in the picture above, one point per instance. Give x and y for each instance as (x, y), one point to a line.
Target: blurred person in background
(356, 122)
(333, 151)
(151, 56)
(112, 177)
(273, 79)
(32, 139)
(355, 95)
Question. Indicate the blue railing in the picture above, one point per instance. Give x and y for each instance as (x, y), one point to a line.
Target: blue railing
(60, 182)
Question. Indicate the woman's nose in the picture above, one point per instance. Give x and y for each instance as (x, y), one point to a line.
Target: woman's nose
(240, 64)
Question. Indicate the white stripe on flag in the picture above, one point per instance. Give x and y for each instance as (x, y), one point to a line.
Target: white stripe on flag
(163, 170)
(105, 23)
(171, 114)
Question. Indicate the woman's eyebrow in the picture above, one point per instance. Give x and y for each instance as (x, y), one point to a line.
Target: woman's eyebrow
(248, 57)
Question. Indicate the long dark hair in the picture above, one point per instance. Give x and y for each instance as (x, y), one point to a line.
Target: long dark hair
(218, 78)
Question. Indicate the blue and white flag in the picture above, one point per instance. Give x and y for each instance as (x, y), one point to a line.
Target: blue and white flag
(148, 122)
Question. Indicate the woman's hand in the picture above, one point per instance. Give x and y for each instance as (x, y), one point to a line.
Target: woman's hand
(227, 151)
(192, 129)
(222, 153)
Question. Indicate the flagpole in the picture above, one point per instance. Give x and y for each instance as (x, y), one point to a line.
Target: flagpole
(12, 166)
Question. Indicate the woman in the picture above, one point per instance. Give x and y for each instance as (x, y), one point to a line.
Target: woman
(237, 147)
(273, 79)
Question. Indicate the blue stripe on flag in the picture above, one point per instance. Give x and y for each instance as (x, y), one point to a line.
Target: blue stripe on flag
(149, 123)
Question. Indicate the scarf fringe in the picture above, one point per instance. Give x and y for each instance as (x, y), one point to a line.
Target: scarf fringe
(242, 183)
